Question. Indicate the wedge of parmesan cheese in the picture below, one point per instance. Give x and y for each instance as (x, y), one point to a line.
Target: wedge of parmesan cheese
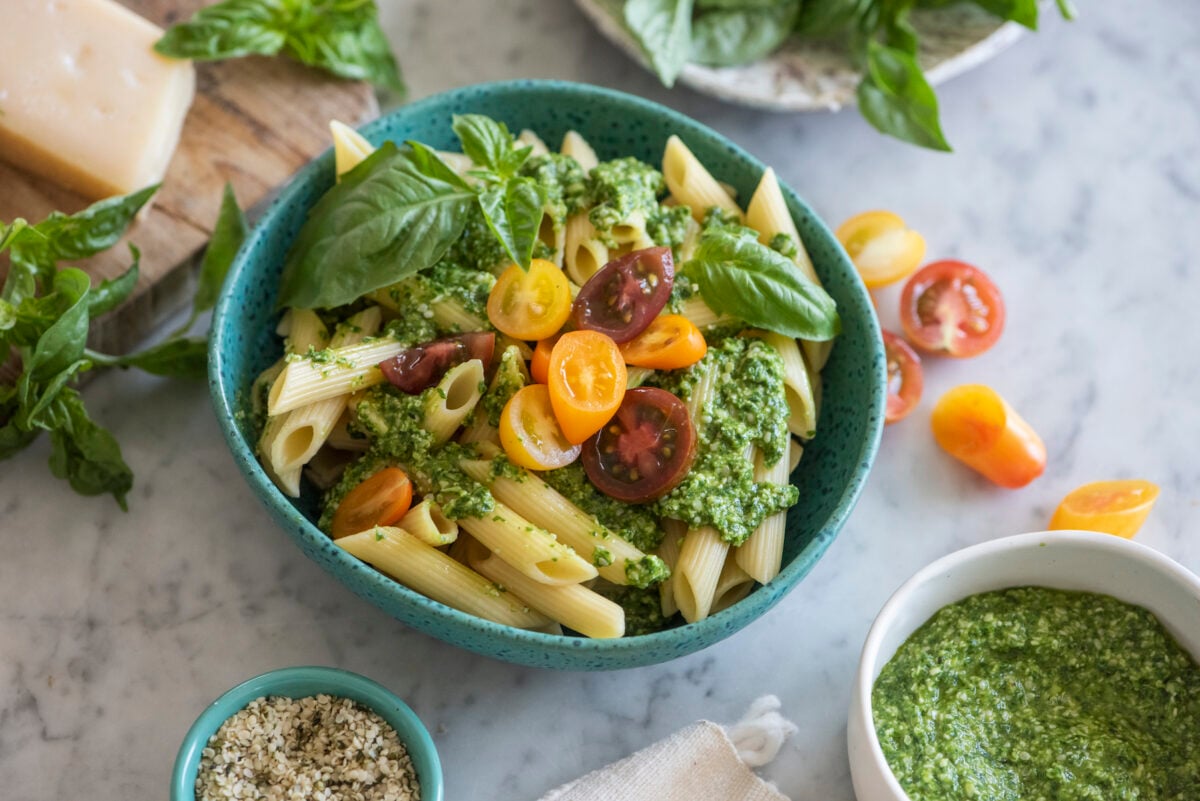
(84, 99)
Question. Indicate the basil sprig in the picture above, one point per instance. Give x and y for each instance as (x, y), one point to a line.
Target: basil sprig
(340, 36)
(399, 211)
(741, 277)
(45, 315)
(893, 95)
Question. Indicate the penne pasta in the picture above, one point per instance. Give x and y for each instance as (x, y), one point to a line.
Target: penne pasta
(691, 184)
(575, 146)
(701, 559)
(616, 559)
(426, 522)
(572, 605)
(455, 399)
(529, 548)
(733, 585)
(434, 574)
(802, 416)
(339, 373)
(528, 138)
(769, 215)
(761, 555)
(583, 253)
(668, 551)
(350, 148)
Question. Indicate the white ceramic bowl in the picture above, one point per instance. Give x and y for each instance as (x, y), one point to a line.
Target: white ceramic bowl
(1066, 560)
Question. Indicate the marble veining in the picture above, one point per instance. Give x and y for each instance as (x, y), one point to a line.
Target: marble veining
(1075, 183)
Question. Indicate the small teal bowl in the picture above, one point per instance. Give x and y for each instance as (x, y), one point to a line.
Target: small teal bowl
(301, 682)
(835, 464)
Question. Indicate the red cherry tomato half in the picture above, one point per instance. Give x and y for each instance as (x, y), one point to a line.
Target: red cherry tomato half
(951, 308)
(422, 366)
(905, 378)
(645, 450)
(626, 294)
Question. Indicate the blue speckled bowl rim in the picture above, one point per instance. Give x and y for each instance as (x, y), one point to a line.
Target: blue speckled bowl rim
(569, 652)
(300, 682)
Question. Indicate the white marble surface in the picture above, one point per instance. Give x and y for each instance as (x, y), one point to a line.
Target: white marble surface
(1076, 184)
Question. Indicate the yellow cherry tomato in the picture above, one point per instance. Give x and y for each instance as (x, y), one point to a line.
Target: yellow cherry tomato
(1110, 507)
(531, 304)
(883, 248)
(587, 382)
(670, 342)
(530, 434)
(975, 425)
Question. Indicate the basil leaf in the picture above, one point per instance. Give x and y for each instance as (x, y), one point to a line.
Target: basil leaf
(1067, 9)
(181, 357)
(63, 342)
(62, 237)
(513, 212)
(10, 232)
(824, 18)
(1023, 12)
(428, 162)
(13, 440)
(112, 292)
(21, 282)
(227, 237)
(489, 143)
(895, 98)
(230, 29)
(36, 401)
(85, 454)
(385, 220)
(343, 38)
(736, 36)
(748, 280)
(347, 41)
(664, 30)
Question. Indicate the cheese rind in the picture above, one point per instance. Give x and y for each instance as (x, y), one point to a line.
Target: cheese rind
(84, 99)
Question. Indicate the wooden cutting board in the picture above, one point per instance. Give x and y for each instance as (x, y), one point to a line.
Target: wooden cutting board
(254, 122)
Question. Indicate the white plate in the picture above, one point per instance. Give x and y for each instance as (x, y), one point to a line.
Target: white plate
(815, 76)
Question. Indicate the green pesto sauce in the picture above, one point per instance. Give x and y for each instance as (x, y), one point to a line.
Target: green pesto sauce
(668, 226)
(618, 188)
(784, 245)
(477, 248)
(393, 421)
(748, 408)
(643, 610)
(509, 379)
(1033, 694)
(562, 181)
(637, 524)
(718, 220)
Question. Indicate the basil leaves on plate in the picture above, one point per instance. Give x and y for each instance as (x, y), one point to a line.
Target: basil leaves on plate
(893, 95)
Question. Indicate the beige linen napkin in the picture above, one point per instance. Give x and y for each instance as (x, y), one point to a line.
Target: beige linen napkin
(702, 762)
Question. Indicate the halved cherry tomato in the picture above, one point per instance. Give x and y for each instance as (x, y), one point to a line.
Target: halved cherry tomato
(645, 450)
(379, 500)
(905, 378)
(422, 366)
(539, 365)
(670, 342)
(883, 248)
(530, 433)
(531, 304)
(1110, 507)
(975, 425)
(626, 294)
(951, 308)
(587, 381)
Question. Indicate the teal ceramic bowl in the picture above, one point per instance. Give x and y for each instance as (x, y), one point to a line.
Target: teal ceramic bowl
(301, 682)
(835, 464)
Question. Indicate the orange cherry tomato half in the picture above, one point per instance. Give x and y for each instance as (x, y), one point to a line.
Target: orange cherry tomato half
(882, 246)
(379, 500)
(975, 425)
(670, 342)
(530, 304)
(530, 434)
(587, 382)
(1110, 507)
(951, 308)
(905, 378)
(539, 365)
